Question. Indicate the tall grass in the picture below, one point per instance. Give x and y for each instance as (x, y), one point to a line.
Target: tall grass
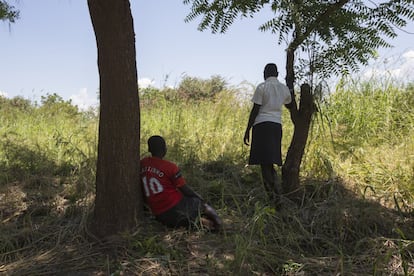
(357, 173)
(364, 134)
(199, 131)
(51, 140)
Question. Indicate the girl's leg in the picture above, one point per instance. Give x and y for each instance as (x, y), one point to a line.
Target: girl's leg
(269, 178)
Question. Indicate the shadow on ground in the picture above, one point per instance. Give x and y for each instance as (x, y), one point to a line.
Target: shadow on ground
(330, 230)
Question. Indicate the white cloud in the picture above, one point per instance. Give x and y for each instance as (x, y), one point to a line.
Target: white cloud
(396, 67)
(3, 94)
(407, 67)
(83, 100)
(145, 82)
(409, 54)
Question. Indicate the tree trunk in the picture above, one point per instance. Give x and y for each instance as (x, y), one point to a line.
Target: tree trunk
(118, 195)
(301, 117)
(302, 121)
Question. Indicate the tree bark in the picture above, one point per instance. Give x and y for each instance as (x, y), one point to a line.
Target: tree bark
(118, 194)
(302, 121)
(302, 116)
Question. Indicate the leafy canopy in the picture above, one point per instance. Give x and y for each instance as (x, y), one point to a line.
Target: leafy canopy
(336, 36)
(8, 12)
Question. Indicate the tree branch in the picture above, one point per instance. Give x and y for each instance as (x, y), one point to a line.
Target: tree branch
(300, 37)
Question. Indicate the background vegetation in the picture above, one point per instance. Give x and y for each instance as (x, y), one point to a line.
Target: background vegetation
(355, 216)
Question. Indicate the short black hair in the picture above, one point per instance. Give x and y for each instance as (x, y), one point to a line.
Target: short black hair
(270, 70)
(156, 144)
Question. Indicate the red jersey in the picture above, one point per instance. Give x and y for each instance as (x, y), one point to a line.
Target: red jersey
(160, 180)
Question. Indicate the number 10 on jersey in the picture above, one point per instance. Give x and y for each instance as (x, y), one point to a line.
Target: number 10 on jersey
(152, 186)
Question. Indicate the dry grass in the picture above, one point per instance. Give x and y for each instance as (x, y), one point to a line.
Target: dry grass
(330, 231)
(355, 215)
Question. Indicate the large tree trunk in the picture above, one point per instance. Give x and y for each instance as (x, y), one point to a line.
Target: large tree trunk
(118, 194)
(301, 118)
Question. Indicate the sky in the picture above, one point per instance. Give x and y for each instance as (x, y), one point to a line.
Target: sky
(52, 49)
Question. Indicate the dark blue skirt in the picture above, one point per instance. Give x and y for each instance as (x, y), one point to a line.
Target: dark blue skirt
(266, 147)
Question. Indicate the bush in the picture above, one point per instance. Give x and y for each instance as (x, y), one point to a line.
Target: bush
(54, 104)
(198, 89)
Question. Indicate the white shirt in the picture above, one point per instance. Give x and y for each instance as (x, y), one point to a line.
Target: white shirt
(271, 95)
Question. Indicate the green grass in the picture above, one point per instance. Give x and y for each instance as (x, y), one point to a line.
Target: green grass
(355, 217)
(368, 141)
(202, 131)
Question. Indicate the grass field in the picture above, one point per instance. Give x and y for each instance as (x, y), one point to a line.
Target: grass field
(355, 216)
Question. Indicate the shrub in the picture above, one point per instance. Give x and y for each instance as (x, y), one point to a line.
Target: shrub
(198, 89)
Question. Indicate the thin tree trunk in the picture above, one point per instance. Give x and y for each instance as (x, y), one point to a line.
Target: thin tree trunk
(291, 166)
(302, 116)
(118, 193)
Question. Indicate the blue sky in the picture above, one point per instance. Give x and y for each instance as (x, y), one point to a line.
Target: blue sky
(52, 49)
